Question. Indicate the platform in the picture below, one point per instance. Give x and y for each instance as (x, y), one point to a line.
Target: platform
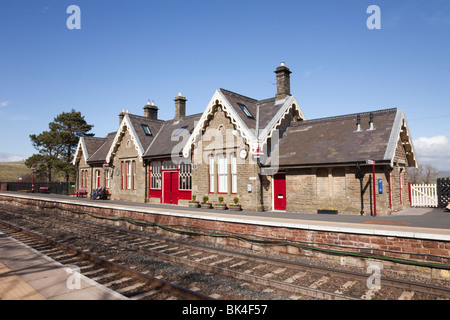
(26, 274)
(34, 276)
(416, 223)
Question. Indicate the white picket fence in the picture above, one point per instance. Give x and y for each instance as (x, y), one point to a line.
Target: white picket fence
(424, 195)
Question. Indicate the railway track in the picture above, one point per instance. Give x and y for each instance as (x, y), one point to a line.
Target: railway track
(296, 280)
(128, 283)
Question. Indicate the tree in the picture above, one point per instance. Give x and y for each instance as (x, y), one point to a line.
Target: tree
(415, 174)
(57, 146)
(70, 126)
(423, 174)
(430, 174)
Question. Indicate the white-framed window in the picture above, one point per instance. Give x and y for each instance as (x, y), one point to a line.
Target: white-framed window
(155, 177)
(122, 176)
(211, 174)
(233, 173)
(133, 175)
(97, 179)
(185, 177)
(107, 177)
(169, 165)
(84, 178)
(129, 174)
(222, 176)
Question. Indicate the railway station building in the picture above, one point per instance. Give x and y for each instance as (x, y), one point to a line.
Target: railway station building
(264, 152)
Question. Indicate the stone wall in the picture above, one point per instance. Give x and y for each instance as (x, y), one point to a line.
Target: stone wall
(218, 138)
(361, 244)
(84, 167)
(126, 151)
(339, 188)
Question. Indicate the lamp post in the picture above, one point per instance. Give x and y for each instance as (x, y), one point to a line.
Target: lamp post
(257, 155)
(372, 162)
(106, 168)
(360, 176)
(33, 171)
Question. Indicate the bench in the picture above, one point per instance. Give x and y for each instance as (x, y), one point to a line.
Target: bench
(106, 196)
(43, 189)
(81, 193)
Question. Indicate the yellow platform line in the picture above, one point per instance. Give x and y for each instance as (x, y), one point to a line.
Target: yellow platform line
(12, 287)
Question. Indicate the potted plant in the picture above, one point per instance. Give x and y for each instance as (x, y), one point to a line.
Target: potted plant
(235, 206)
(220, 205)
(206, 204)
(194, 203)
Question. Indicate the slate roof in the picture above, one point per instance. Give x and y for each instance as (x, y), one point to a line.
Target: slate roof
(99, 155)
(154, 125)
(92, 144)
(335, 139)
(267, 108)
(170, 135)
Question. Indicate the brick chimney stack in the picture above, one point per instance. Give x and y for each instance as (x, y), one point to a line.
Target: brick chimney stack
(121, 115)
(283, 82)
(180, 107)
(151, 111)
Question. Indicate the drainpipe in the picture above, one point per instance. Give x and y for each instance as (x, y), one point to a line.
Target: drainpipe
(374, 190)
(258, 161)
(360, 177)
(390, 191)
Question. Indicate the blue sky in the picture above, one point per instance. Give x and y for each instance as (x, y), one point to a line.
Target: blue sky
(127, 52)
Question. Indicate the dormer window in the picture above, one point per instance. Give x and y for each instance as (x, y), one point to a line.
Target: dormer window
(147, 130)
(246, 111)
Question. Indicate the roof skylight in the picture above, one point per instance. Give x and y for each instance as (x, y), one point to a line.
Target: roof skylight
(147, 130)
(179, 131)
(246, 111)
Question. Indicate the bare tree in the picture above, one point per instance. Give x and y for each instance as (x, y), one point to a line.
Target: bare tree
(423, 174)
(429, 174)
(415, 174)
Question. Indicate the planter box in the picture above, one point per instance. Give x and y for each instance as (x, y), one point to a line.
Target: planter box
(327, 211)
(235, 207)
(220, 206)
(194, 204)
(206, 205)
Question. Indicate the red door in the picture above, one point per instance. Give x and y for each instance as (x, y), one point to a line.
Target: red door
(279, 191)
(170, 187)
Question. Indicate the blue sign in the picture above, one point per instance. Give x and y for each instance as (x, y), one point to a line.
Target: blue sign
(380, 186)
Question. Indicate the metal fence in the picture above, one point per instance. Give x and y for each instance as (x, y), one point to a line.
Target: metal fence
(39, 187)
(443, 189)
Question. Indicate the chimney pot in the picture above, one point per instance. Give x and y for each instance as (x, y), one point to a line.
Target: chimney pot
(180, 107)
(283, 82)
(371, 122)
(150, 110)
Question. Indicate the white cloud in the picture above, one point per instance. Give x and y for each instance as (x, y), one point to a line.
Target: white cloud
(4, 103)
(8, 157)
(434, 151)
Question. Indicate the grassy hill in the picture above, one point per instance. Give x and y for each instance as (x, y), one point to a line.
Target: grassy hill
(11, 171)
(443, 174)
